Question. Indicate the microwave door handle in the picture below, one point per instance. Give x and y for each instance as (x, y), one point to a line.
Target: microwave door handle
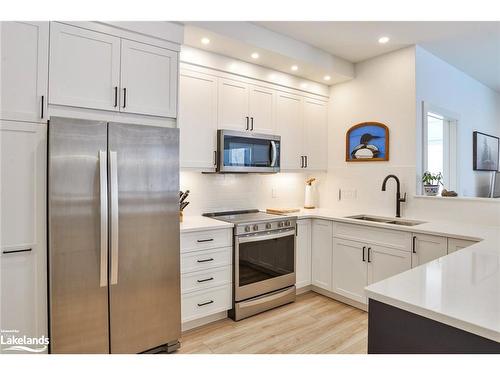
(273, 153)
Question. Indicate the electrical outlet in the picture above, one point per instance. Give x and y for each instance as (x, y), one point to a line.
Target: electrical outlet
(347, 194)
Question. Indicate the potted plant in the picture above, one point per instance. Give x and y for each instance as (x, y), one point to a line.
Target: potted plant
(431, 183)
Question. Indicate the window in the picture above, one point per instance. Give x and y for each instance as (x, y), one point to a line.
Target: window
(440, 145)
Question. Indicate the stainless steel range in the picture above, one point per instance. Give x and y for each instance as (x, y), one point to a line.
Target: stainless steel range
(264, 260)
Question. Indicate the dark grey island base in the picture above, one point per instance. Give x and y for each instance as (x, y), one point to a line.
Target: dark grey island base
(395, 331)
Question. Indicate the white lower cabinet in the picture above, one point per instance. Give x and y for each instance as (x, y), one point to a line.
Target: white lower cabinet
(385, 262)
(427, 247)
(197, 305)
(303, 253)
(322, 242)
(23, 256)
(455, 244)
(349, 269)
(206, 273)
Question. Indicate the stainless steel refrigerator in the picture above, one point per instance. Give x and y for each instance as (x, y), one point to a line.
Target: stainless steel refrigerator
(114, 268)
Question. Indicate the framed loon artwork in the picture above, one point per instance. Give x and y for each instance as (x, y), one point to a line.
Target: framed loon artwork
(367, 141)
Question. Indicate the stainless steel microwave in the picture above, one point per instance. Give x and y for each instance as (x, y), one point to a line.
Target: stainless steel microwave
(245, 152)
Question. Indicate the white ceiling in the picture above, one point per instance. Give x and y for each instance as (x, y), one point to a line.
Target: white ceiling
(473, 47)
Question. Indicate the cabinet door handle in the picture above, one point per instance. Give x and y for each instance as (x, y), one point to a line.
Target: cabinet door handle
(205, 280)
(369, 250)
(205, 260)
(296, 229)
(215, 158)
(364, 248)
(247, 119)
(305, 164)
(116, 96)
(414, 245)
(251, 123)
(43, 104)
(17, 251)
(205, 303)
(207, 240)
(124, 97)
(302, 162)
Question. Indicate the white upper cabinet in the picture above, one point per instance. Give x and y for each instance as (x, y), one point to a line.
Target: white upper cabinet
(90, 69)
(148, 79)
(243, 106)
(24, 71)
(84, 68)
(426, 247)
(197, 119)
(303, 253)
(233, 105)
(262, 110)
(289, 127)
(315, 134)
(350, 269)
(23, 227)
(322, 241)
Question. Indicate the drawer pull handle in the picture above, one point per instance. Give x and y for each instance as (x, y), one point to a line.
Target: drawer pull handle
(204, 280)
(207, 240)
(16, 251)
(205, 260)
(205, 303)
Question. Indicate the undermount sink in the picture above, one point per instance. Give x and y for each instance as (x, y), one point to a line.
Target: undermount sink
(386, 220)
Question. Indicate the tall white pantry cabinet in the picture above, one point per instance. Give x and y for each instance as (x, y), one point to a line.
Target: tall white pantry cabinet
(23, 139)
(89, 69)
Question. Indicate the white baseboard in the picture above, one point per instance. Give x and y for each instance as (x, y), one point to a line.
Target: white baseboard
(338, 297)
(186, 326)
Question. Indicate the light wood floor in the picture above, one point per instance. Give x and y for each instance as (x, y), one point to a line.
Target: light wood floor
(313, 324)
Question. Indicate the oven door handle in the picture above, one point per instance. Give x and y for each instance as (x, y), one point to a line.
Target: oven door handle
(273, 153)
(247, 239)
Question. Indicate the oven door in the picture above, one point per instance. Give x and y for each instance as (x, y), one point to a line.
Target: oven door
(263, 263)
(248, 152)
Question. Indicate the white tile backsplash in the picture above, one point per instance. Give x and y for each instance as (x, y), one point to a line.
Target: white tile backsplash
(220, 192)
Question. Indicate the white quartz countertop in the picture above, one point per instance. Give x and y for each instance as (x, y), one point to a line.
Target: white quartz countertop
(197, 222)
(461, 289)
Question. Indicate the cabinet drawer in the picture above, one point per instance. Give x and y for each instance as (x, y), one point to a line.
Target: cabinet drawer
(206, 302)
(193, 281)
(207, 239)
(379, 236)
(207, 259)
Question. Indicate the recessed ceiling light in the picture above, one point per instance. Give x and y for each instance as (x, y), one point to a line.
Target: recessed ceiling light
(294, 68)
(326, 78)
(255, 55)
(205, 40)
(383, 40)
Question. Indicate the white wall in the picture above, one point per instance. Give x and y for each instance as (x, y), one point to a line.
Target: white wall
(383, 91)
(476, 106)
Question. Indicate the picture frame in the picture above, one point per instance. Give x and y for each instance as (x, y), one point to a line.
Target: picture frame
(485, 152)
(367, 141)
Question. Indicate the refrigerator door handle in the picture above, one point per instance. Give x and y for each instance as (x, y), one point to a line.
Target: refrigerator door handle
(103, 201)
(113, 195)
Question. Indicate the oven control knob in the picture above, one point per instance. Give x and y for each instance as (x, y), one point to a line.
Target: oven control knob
(247, 228)
(287, 223)
(268, 226)
(255, 227)
(280, 224)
